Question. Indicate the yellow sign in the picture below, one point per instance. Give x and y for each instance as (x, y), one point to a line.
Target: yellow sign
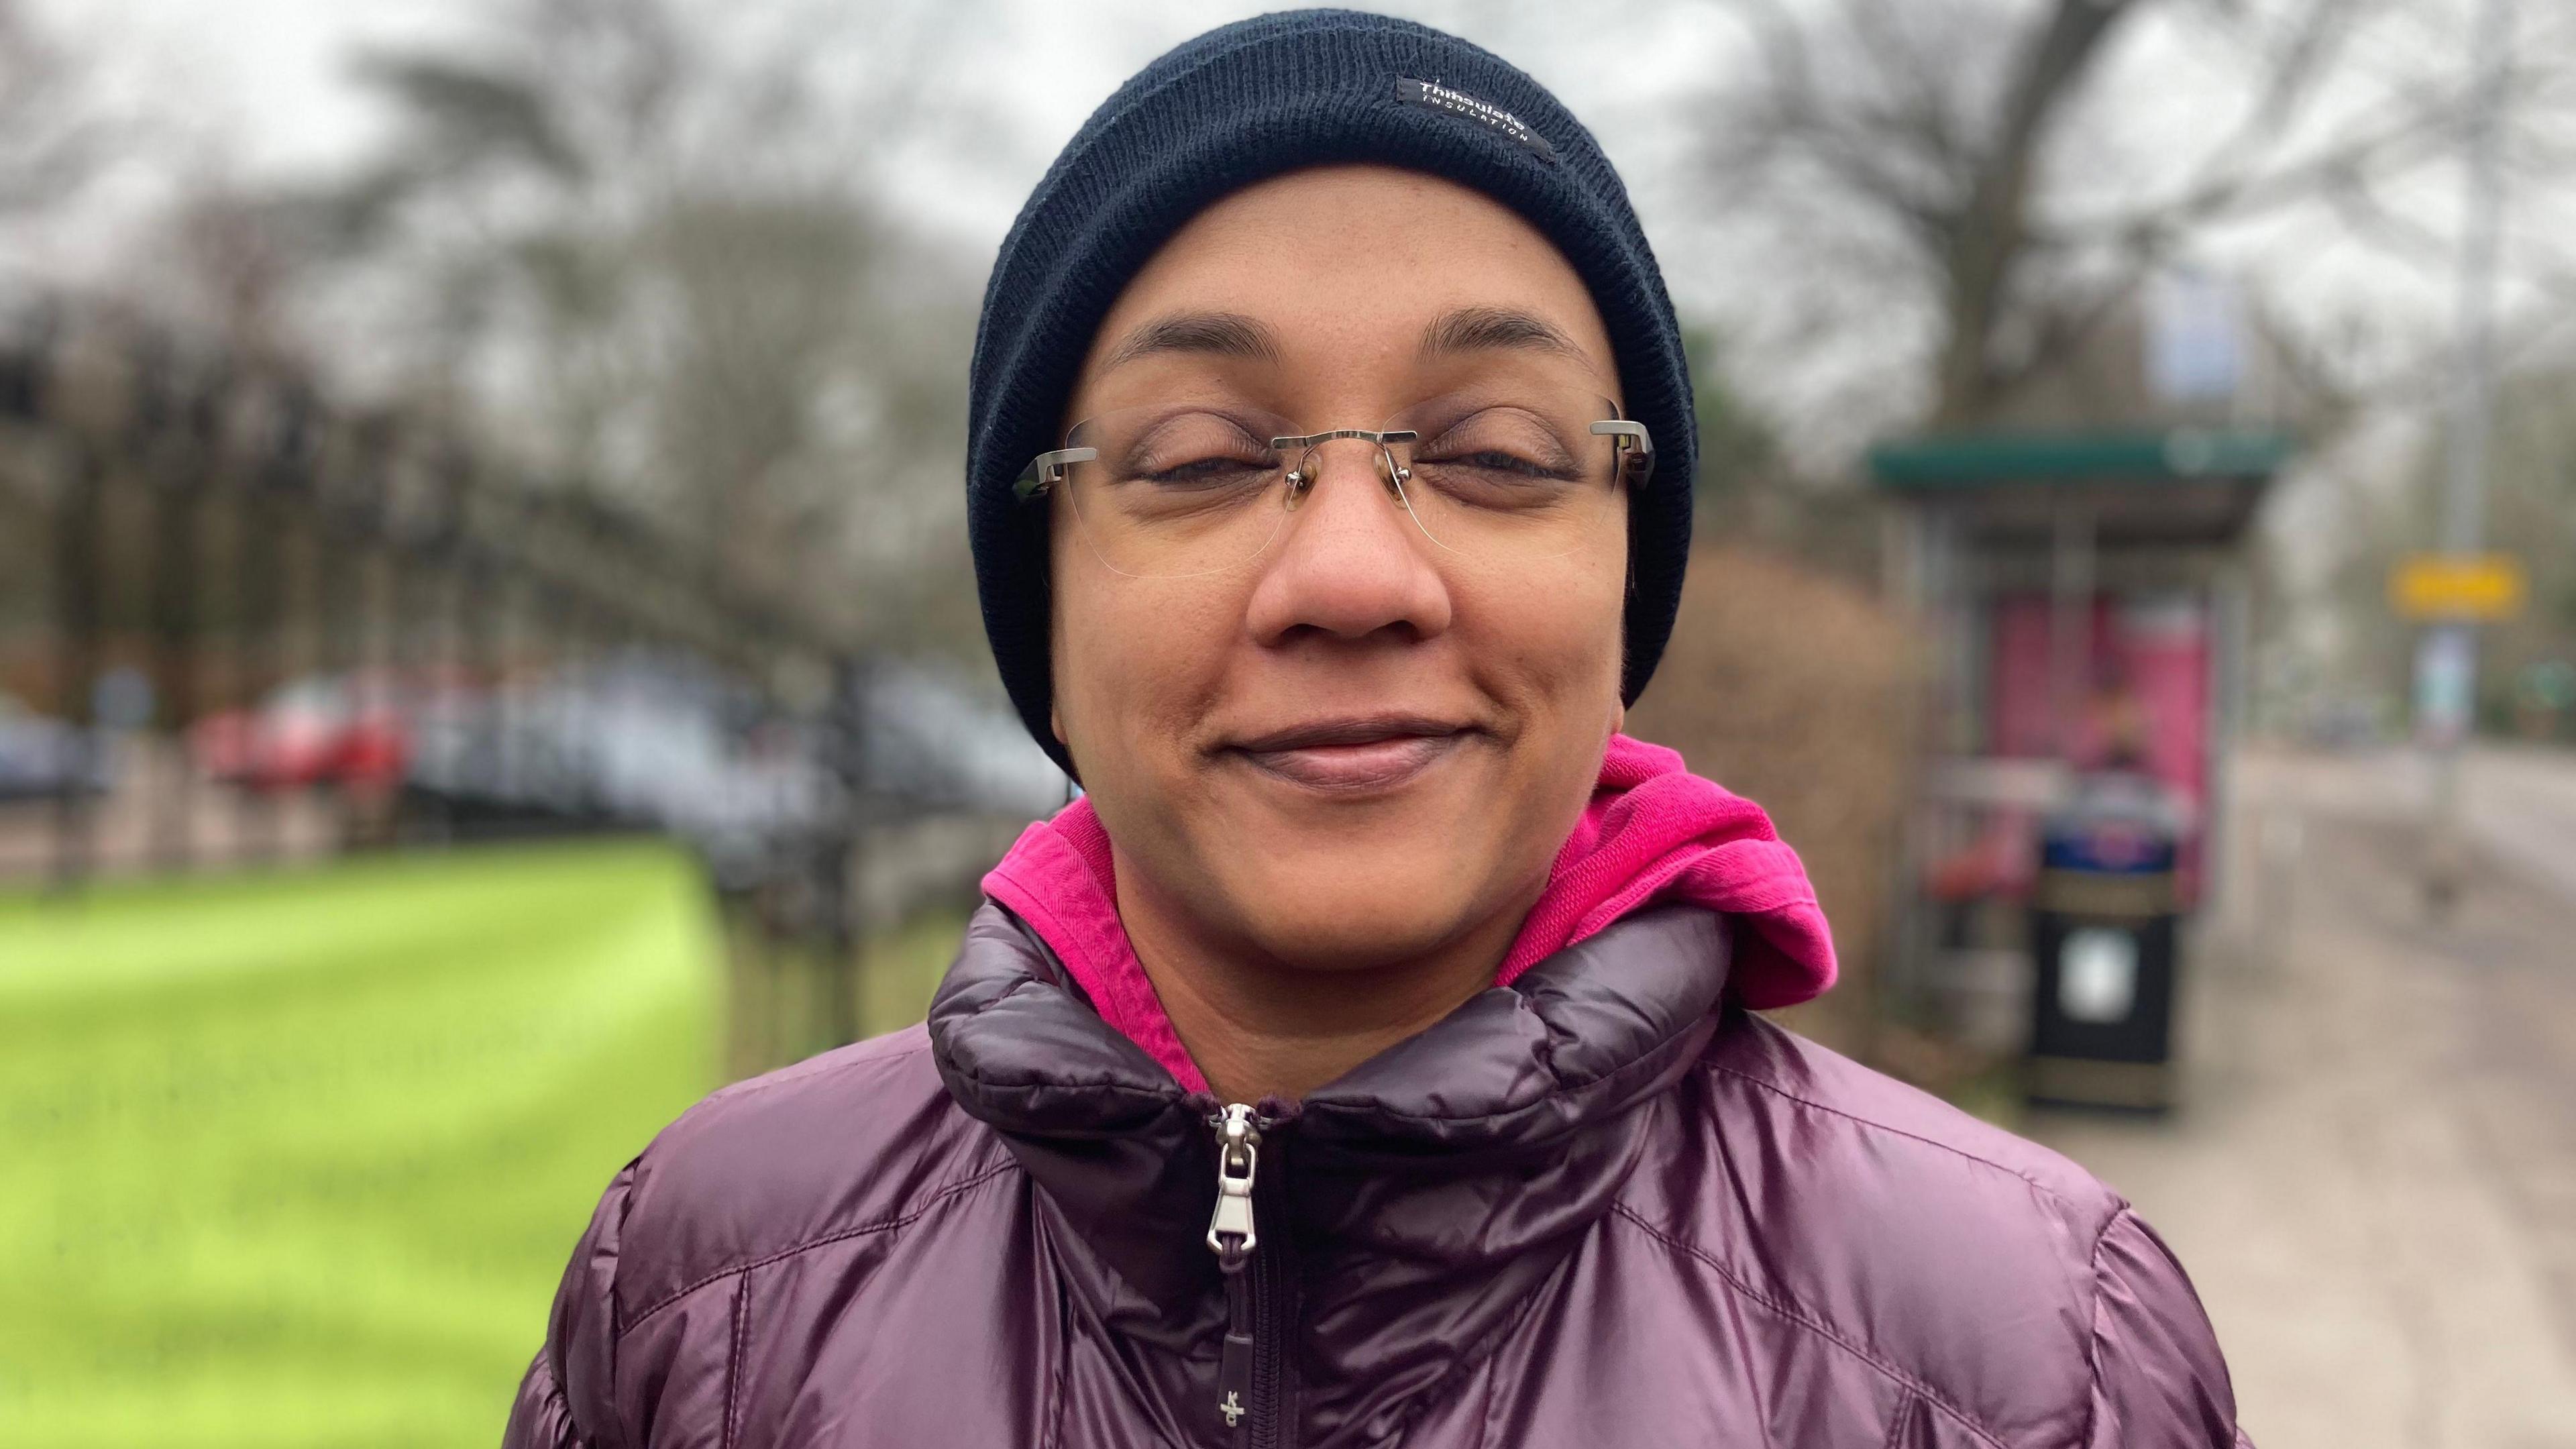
(2457, 587)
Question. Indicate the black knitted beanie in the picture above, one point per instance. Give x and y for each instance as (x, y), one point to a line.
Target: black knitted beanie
(1247, 102)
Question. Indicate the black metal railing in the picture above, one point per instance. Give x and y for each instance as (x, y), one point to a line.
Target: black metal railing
(243, 625)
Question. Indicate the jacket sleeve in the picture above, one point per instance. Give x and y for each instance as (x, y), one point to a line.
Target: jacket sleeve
(568, 1399)
(2159, 1381)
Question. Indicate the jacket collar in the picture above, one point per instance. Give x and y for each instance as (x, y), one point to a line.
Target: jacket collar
(1652, 833)
(1424, 1194)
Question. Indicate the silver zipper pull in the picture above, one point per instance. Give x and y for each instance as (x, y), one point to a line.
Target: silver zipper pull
(1238, 1152)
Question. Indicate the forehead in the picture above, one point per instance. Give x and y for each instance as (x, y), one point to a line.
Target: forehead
(1351, 278)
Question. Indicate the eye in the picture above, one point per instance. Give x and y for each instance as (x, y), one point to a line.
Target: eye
(1203, 473)
(1191, 451)
(1499, 443)
(1497, 461)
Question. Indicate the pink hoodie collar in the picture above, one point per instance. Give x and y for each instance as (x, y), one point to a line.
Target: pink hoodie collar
(1653, 832)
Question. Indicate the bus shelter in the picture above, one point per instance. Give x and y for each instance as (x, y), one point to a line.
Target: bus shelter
(2086, 597)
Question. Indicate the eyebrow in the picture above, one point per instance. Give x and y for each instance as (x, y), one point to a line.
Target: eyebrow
(1223, 334)
(1476, 329)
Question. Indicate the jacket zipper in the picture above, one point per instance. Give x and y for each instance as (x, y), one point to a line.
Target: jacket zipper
(1252, 1372)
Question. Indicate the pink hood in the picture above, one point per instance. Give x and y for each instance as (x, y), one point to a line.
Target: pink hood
(1654, 832)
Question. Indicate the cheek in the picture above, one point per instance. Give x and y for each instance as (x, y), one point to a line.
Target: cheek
(1551, 646)
(1135, 665)
(1559, 677)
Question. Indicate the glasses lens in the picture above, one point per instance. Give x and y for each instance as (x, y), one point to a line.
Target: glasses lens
(1177, 491)
(1501, 472)
(1509, 474)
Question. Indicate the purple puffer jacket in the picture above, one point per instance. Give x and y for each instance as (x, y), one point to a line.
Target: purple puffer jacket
(1601, 1206)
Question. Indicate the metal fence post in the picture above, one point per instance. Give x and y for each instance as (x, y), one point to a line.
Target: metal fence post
(187, 420)
(76, 606)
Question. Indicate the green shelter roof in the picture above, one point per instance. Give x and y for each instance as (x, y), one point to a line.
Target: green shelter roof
(1978, 460)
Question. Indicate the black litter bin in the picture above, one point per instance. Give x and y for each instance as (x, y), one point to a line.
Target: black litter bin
(2103, 913)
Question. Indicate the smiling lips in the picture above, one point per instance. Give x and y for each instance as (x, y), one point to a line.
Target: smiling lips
(1374, 753)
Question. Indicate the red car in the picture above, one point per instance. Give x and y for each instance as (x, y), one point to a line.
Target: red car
(319, 731)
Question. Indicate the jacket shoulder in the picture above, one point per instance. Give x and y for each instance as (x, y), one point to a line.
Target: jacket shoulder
(1756, 1066)
(1876, 1222)
(862, 1138)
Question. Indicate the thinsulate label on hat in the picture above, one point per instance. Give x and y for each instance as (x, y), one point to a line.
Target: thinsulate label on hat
(1433, 96)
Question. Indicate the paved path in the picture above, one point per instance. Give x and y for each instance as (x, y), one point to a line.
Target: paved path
(2374, 1180)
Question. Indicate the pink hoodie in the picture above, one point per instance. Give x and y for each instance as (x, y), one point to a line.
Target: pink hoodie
(1653, 832)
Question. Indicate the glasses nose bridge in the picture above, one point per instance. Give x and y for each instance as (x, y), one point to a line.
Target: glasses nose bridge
(1306, 456)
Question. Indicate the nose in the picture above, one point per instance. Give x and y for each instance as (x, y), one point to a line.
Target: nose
(1350, 564)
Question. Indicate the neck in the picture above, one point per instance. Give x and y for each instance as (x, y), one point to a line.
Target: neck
(1261, 1027)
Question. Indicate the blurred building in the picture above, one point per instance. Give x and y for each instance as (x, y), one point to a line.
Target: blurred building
(2080, 561)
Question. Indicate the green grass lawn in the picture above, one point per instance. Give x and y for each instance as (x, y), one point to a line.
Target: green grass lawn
(297, 1158)
(902, 969)
(782, 992)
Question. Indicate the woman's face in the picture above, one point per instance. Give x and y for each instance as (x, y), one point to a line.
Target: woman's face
(1327, 736)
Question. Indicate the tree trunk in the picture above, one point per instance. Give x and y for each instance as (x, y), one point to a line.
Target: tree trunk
(1988, 239)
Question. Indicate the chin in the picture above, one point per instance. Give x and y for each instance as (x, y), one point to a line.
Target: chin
(1347, 919)
(1351, 941)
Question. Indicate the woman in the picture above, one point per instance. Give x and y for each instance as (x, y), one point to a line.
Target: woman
(1366, 1059)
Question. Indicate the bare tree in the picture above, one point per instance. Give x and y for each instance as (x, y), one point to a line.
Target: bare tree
(53, 135)
(640, 246)
(1952, 180)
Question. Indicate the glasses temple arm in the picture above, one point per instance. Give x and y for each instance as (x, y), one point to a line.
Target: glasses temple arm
(1047, 470)
(1622, 428)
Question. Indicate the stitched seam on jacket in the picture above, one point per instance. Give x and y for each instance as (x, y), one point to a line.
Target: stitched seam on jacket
(1493, 1405)
(997, 1084)
(860, 1231)
(1795, 1314)
(1644, 1063)
(1478, 1352)
(1896, 1421)
(1775, 1089)
(554, 1392)
(733, 1363)
(2093, 1340)
(1063, 1365)
(788, 1076)
(628, 1175)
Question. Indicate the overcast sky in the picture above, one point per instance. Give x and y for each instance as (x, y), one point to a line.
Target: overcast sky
(263, 88)
(267, 75)
(265, 85)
